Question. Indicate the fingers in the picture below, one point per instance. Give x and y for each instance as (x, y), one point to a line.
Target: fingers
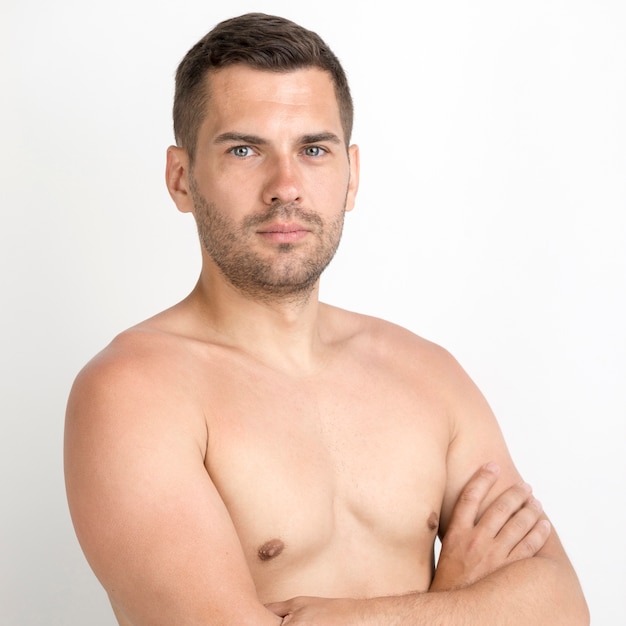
(504, 507)
(532, 542)
(519, 523)
(465, 511)
(515, 519)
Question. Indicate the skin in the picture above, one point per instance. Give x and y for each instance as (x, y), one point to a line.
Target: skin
(253, 456)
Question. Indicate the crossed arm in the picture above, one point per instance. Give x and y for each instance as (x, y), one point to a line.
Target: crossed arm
(160, 538)
(504, 566)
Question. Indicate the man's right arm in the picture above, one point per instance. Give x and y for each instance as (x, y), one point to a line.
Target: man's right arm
(148, 517)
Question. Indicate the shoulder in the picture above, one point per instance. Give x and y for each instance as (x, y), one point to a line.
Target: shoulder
(141, 383)
(138, 357)
(162, 350)
(402, 358)
(376, 338)
(131, 404)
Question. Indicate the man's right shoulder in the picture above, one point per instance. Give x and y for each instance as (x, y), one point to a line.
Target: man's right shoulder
(141, 364)
(136, 352)
(141, 388)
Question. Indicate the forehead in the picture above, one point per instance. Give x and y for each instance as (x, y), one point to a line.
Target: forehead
(239, 95)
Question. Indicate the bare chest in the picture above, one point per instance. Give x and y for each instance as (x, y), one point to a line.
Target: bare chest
(334, 485)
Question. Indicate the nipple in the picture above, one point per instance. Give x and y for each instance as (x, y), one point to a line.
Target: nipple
(433, 521)
(270, 549)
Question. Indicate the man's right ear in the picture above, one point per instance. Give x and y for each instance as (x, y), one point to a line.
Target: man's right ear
(177, 178)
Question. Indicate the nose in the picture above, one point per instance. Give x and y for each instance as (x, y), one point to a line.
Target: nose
(283, 182)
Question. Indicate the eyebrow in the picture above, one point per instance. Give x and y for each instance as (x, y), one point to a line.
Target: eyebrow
(319, 137)
(240, 138)
(255, 140)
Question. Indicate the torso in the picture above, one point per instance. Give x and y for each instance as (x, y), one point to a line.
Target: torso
(334, 479)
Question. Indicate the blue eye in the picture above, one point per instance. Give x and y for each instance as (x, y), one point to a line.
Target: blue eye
(241, 151)
(314, 151)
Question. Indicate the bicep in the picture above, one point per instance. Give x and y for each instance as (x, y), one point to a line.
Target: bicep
(476, 439)
(149, 519)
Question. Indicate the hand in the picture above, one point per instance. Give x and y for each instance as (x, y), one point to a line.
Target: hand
(307, 611)
(510, 529)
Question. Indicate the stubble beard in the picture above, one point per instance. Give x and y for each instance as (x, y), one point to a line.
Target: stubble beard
(286, 275)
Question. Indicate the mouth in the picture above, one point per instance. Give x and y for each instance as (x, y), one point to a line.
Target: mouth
(290, 232)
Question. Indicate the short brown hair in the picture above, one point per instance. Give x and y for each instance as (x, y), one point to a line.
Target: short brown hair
(260, 41)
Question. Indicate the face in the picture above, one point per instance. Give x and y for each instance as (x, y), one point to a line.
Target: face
(271, 179)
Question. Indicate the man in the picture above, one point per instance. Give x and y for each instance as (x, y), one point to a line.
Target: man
(253, 456)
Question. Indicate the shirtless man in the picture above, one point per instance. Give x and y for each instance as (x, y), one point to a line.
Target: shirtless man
(253, 456)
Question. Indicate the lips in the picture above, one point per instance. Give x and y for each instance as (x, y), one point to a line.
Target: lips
(283, 232)
(282, 228)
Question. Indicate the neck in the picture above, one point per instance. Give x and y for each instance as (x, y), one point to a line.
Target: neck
(284, 331)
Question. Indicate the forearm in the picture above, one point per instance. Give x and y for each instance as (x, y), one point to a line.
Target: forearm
(538, 591)
(260, 617)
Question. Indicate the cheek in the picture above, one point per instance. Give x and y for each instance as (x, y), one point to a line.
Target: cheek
(237, 188)
(328, 189)
(233, 196)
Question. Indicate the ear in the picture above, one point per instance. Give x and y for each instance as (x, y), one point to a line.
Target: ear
(353, 183)
(177, 178)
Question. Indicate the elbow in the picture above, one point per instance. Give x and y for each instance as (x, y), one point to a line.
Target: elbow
(579, 616)
(569, 595)
(583, 617)
(577, 609)
(576, 612)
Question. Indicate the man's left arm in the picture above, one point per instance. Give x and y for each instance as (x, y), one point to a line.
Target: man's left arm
(543, 589)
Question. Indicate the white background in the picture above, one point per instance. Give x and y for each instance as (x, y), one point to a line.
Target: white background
(491, 219)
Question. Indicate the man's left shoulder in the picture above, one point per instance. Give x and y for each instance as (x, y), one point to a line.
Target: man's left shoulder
(388, 336)
(389, 341)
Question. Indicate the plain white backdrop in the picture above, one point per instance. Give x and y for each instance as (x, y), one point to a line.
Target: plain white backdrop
(491, 219)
